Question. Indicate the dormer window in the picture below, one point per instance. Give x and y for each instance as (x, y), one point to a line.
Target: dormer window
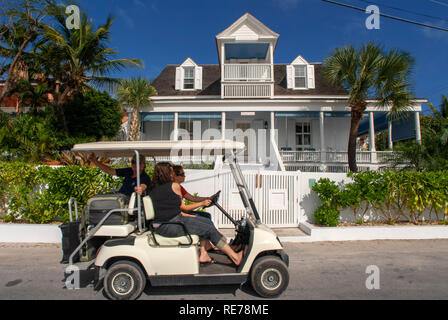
(300, 75)
(188, 76)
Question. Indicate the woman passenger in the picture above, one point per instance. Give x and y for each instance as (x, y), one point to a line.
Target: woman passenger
(166, 196)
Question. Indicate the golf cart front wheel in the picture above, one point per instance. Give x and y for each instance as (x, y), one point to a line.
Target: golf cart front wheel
(124, 280)
(269, 276)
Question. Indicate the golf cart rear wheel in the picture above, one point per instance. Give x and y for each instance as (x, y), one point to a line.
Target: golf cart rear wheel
(269, 276)
(124, 280)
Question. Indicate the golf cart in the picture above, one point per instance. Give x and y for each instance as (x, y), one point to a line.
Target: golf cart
(135, 253)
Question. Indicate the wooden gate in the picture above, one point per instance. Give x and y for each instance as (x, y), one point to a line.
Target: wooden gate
(276, 196)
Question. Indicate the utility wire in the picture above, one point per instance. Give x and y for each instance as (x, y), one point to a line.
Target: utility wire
(440, 2)
(388, 16)
(404, 10)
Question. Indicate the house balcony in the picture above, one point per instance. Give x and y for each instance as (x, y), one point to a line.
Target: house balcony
(335, 161)
(247, 80)
(248, 72)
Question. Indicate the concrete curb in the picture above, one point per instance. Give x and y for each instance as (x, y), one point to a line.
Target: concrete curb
(30, 233)
(359, 233)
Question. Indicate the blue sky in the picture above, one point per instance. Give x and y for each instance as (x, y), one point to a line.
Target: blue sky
(162, 32)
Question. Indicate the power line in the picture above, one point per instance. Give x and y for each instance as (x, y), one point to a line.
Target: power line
(404, 10)
(440, 2)
(388, 16)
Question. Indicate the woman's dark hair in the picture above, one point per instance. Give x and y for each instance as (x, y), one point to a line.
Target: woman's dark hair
(161, 174)
(177, 170)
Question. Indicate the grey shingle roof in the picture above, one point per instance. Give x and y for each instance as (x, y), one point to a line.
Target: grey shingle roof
(211, 83)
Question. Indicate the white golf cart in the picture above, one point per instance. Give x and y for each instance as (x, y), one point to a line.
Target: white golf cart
(135, 253)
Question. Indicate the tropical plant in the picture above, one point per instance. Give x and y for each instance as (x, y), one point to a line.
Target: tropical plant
(135, 93)
(370, 73)
(32, 95)
(93, 114)
(27, 138)
(80, 58)
(432, 153)
(21, 22)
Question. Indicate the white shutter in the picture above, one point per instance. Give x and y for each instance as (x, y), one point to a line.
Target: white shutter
(178, 80)
(290, 76)
(310, 74)
(198, 78)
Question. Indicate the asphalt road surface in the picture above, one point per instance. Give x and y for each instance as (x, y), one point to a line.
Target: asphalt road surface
(403, 270)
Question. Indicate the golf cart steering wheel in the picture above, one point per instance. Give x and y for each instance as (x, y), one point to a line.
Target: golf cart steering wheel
(214, 198)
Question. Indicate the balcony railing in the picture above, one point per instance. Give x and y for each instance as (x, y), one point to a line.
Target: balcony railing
(334, 161)
(248, 72)
(247, 90)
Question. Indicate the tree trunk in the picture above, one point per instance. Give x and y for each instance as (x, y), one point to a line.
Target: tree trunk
(134, 134)
(59, 102)
(11, 78)
(356, 115)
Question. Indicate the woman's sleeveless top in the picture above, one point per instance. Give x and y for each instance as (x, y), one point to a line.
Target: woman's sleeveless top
(166, 203)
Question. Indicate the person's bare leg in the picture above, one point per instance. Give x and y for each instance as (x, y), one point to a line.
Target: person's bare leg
(235, 257)
(203, 254)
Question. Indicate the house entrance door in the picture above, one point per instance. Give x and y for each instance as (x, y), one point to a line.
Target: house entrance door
(244, 126)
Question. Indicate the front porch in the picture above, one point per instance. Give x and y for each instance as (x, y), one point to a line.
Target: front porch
(309, 141)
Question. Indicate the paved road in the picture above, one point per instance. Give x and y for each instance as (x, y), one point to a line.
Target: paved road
(323, 270)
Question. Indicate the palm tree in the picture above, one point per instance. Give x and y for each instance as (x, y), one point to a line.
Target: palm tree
(80, 57)
(370, 73)
(135, 93)
(33, 95)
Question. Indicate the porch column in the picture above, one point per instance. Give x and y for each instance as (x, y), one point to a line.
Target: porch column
(223, 125)
(418, 133)
(323, 151)
(372, 147)
(176, 126)
(389, 135)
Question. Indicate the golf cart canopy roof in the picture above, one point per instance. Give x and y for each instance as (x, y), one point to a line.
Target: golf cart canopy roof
(160, 148)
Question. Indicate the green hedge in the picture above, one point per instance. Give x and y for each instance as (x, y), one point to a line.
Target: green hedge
(40, 194)
(390, 196)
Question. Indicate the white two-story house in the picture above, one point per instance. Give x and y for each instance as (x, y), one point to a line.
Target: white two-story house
(285, 113)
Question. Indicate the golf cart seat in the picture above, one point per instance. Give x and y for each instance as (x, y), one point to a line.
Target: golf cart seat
(156, 240)
(120, 230)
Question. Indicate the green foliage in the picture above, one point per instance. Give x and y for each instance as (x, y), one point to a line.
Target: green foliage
(93, 114)
(40, 194)
(390, 196)
(28, 138)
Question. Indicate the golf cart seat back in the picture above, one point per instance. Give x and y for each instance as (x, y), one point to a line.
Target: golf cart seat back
(156, 240)
(121, 230)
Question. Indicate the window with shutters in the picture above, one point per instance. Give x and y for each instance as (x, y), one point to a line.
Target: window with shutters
(188, 77)
(300, 77)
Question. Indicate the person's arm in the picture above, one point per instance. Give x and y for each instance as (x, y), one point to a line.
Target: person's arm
(192, 198)
(188, 207)
(102, 166)
(141, 189)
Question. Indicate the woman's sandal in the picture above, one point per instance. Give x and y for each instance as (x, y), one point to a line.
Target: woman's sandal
(207, 263)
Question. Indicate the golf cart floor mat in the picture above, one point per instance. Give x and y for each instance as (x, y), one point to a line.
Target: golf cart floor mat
(222, 264)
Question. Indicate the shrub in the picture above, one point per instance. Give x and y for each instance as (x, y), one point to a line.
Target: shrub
(391, 196)
(39, 194)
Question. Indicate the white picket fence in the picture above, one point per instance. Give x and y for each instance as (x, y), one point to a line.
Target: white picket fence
(275, 195)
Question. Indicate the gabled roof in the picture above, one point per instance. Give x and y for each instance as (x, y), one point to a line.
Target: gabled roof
(211, 83)
(247, 25)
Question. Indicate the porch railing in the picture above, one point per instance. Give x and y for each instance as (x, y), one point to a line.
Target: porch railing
(248, 72)
(335, 161)
(247, 90)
